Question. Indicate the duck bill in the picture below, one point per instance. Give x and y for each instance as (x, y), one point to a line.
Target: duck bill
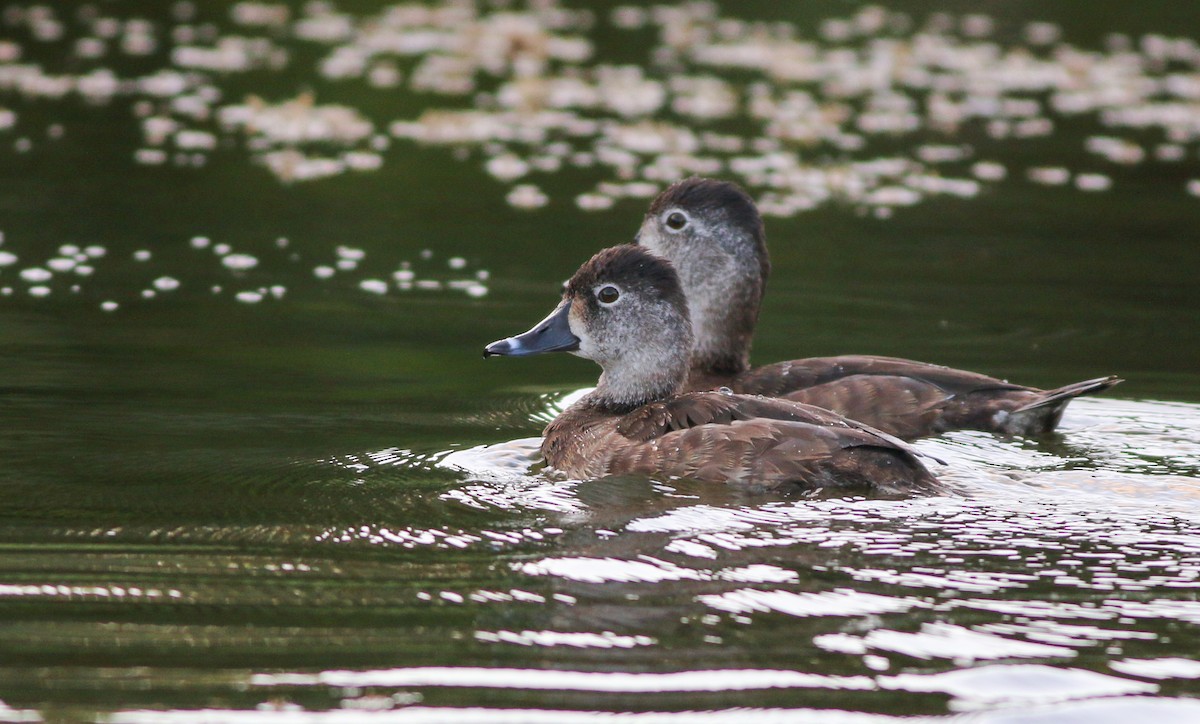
(552, 334)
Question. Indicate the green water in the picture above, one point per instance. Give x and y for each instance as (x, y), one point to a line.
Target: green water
(211, 505)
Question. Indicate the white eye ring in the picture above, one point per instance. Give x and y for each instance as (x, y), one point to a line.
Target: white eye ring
(608, 294)
(676, 220)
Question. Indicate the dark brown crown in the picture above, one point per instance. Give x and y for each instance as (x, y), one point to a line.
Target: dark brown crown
(631, 267)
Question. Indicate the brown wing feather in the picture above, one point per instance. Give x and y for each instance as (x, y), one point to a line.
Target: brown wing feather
(907, 398)
(703, 408)
(902, 406)
(696, 409)
(771, 453)
(785, 377)
(902, 397)
(741, 439)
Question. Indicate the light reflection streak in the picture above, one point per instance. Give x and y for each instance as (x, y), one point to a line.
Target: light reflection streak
(46, 590)
(561, 680)
(839, 602)
(1013, 685)
(1166, 668)
(647, 570)
(949, 641)
(575, 639)
(480, 715)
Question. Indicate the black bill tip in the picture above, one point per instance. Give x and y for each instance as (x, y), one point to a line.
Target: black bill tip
(507, 347)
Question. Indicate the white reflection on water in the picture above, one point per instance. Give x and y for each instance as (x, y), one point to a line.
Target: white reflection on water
(1168, 668)
(207, 269)
(604, 682)
(1059, 551)
(647, 570)
(941, 640)
(839, 602)
(574, 639)
(544, 96)
(499, 476)
(1011, 687)
(480, 715)
(513, 458)
(1128, 451)
(1016, 685)
(1107, 512)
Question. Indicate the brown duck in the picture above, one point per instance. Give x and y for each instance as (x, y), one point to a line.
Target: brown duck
(625, 310)
(713, 234)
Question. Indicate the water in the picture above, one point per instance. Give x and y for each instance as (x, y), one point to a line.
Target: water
(239, 487)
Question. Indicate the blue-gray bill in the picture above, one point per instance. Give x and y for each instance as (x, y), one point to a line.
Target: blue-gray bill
(552, 334)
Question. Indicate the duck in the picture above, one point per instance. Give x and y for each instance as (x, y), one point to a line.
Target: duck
(712, 232)
(625, 309)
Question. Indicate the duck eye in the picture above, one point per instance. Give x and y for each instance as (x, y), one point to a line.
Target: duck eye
(676, 221)
(608, 295)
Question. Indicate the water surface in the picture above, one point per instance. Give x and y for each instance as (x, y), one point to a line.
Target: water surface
(248, 480)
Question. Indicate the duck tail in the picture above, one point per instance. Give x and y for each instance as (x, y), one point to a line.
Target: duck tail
(1043, 414)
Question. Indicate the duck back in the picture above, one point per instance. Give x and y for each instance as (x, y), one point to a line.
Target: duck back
(912, 399)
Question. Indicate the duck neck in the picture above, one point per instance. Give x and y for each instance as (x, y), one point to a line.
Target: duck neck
(724, 311)
(618, 395)
(625, 387)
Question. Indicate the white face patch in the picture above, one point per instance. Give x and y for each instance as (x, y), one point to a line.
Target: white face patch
(587, 346)
(648, 236)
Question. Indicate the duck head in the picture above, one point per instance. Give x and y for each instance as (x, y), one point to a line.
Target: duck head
(713, 234)
(625, 310)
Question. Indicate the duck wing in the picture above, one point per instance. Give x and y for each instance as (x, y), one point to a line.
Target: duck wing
(716, 408)
(783, 378)
(697, 409)
(913, 399)
(764, 442)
